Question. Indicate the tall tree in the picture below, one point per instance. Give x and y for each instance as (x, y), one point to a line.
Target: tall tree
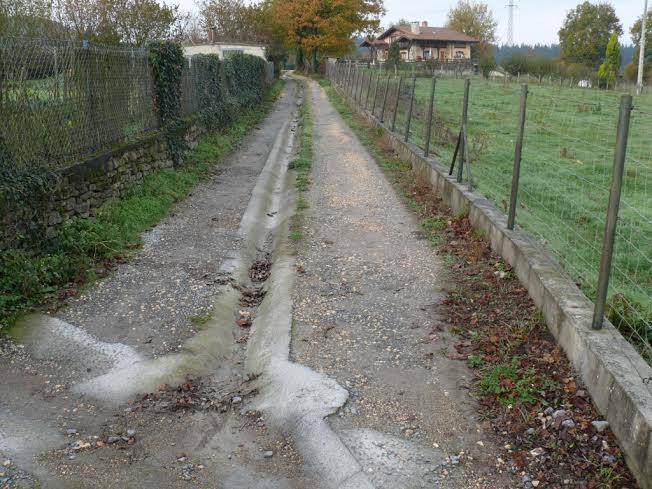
(235, 20)
(325, 27)
(29, 18)
(608, 72)
(586, 33)
(118, 21)
(474, 19)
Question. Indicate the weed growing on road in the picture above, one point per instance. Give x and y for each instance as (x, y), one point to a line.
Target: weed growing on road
(522, 376)
(84, 249)
(302, 165)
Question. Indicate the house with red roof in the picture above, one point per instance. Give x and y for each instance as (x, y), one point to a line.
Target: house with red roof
(419, 42)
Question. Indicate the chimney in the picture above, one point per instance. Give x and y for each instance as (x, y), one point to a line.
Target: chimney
(414, 27)
(424, 23)
(211, 35)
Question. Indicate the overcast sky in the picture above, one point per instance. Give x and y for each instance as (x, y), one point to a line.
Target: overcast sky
(534, 20)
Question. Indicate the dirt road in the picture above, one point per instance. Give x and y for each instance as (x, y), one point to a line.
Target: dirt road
(340, 380)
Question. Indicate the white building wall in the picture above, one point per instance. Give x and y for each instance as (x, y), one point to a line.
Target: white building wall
(221, 48)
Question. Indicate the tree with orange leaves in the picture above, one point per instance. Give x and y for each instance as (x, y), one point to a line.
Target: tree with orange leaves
(317, 28)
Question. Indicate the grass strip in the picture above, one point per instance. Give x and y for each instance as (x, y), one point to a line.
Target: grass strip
(302, 165)
(84, 249)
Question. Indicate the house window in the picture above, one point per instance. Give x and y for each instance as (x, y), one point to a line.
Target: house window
(427, 54)
(404, 55)
(459, 55)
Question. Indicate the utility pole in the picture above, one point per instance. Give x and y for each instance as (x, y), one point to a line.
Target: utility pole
(641, 54)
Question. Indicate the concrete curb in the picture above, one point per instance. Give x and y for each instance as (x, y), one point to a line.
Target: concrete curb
(616, 376)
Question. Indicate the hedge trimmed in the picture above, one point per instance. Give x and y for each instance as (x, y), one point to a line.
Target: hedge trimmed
(226, 87)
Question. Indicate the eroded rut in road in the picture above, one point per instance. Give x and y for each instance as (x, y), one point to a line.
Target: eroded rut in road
(177, 371)
(83, 407)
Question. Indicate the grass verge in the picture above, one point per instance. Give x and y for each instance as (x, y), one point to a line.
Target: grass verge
(302, 166)
(85, 249)
(525, 386)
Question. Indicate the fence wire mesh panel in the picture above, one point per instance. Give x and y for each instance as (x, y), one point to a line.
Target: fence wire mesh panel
(446, 119)
(566, 174)
(403, 106)
(70, 99)
(190, 87)
(630, 287)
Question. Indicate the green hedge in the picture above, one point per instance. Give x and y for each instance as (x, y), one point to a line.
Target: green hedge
(228, 86)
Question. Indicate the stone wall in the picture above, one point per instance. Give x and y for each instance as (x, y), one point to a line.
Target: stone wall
(82, 189)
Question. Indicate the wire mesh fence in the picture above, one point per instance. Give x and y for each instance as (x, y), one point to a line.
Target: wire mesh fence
(566, 174)
(62, 100)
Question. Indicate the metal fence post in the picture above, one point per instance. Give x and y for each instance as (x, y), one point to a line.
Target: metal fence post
(398, 97)
(366, 99)
(382, 111)
(612, 210)
(409, 119)
(517, 158)
(373, 106)
(357, 85)
(354, 88)
(349, 75)
(426, 149)
(465, 118)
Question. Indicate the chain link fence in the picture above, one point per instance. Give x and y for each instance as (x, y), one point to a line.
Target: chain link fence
(565, 175)
(62, 101)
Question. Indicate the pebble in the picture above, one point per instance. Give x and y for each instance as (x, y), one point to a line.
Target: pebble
(536, 452)
(268, 454)
(236, 400)
(131, 433)
(535, 483)
(548, 411)
(558, 413)
(113, 439)
(71, 431)
(568, 423)
(609, 459)
(455, 459)
(600, 426)
(530, 431)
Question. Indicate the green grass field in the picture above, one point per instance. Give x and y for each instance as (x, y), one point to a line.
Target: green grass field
(565, 174)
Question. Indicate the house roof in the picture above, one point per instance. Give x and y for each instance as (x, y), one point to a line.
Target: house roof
(367, 43)
(428, 34)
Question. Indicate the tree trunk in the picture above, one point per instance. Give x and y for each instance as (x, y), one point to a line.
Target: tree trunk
(315, 64)
(300, 66)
